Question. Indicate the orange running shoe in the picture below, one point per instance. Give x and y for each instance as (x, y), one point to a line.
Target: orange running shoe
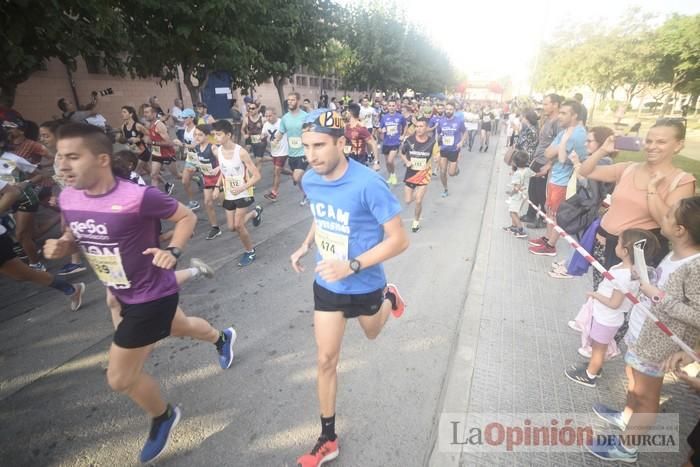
(324, 451)
(400, 305)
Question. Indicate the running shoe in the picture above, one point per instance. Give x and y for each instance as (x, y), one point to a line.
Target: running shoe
(397, 304)
(272, 196)
(193, 205)
(444, 194)
(203, 268)
(392, 180)
(537, 241)
(19, 251)
(76, 300)
(71, 268)
(304, 201)
(324, 451)
(225, 349)
(520, 233)
(213, 233)
(38, 266)
(559, 275)
(415, 227)
(510, 229)
(580, 376)
(169, 188)
(258, 216)
(198, 180)
(543, 250)
(610, 416)
(159, 435)
(575, 326)
(247, 258)
(610, 448)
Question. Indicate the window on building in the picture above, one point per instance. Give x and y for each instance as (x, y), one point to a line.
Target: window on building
(298, 80)
(313, 81)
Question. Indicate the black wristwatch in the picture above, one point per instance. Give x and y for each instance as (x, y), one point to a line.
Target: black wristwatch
(175, 251)
(355, 265)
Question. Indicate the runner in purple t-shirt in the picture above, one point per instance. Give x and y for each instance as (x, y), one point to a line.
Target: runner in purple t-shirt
(115, 223)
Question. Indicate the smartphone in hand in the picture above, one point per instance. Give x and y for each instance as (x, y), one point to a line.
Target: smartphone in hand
(628, 143)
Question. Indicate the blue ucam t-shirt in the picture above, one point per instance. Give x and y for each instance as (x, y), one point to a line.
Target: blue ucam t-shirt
(394, 124)
(450, 131)
(561, 172)
(349, 214)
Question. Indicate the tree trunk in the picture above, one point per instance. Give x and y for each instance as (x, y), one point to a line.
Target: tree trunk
(278, 81)
(591, 112)
(191, 88)
(7, 94)
(693, 103)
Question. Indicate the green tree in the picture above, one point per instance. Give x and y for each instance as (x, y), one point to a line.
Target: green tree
(34, 31)
(678, 41)
(201, 38)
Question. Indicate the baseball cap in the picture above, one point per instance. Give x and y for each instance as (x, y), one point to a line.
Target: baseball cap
(14, 122)
(188, 113)
(325, 121)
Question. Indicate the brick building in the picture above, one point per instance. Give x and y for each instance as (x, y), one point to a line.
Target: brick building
(36, 99)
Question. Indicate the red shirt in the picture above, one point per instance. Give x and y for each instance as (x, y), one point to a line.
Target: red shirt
(167, 152)
(357, 138)
(30, 150)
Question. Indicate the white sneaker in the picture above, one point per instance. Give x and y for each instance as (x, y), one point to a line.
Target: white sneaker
(585, 353)
(203, 268)
(76, 300)
(574, 325)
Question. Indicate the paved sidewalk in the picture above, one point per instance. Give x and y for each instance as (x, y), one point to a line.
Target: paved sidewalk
(516, 363)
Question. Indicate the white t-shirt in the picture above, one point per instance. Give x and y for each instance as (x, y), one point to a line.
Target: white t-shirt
(270, 131)
(367, 116)
(471, 121)
(97, 120)
(663, 272)
(615, 317)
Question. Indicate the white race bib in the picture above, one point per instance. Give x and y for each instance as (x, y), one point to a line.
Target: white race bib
(237, 181)
(155, 150)
(109, 270)
(391, 130)
(192, 158)
(448, 140)
(294, 142)
(255, 139)
(331, 245)
(419, 163)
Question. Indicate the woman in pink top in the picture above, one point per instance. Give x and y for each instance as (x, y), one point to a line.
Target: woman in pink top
(644, 191)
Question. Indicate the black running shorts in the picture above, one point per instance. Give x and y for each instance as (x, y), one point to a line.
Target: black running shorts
(451, 156)
(145, 323)
(352, 306)
(7, 251)
(297, 163)
(387, 149)
(233, 204)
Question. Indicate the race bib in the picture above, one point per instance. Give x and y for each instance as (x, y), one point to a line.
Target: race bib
(347, 149)
(419, 163)
(274, 146)
(9, 179)
(234, 182)
(255, 139)
(192, 158)
(109, 270)
(7, 167)
(155, 150)
(331, 245)
(392, 130)
(448, 140)
(294, 142)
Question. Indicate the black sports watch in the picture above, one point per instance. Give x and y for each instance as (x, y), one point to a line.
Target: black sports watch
(175, 251)
(355, 265)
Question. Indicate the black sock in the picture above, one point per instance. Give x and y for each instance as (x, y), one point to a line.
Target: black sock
(392, 298)
(220, 341)
(63, 286)
(328, 427)
(165, 415)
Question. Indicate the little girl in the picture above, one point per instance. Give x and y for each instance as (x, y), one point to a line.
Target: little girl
(517, 201)
(675, 301)
(608, 305)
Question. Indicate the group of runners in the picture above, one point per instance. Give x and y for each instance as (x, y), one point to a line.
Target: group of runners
(113, 220)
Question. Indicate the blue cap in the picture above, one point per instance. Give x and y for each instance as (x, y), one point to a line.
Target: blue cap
(325, 121)
(188, 113)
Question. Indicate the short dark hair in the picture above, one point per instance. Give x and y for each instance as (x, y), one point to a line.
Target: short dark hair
(420, 118)
(93, 137)
(222, 125)
(651, 244)
(51, 125)
(531, 117)
(205, 128)
(578, 96)
(521, 159)
(62, 106)
(295, 94)
(555, 98)
(452, 103)
(575, 107)
(688, 215)
(123, 162)
(354, 110)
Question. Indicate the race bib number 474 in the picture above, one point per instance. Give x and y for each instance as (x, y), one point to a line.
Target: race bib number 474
(331, 245)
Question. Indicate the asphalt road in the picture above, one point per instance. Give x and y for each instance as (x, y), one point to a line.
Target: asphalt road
(56, 408)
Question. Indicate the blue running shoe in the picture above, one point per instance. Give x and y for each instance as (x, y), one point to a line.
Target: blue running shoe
(612, 417)
(247, 258)
(160, 434)
(225, 349)
(611, 449)
(71, 268)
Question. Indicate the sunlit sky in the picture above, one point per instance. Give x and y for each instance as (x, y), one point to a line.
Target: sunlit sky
(490, 39)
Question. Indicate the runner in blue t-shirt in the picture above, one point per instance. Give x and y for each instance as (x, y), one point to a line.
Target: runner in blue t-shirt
(451, 136)
(290, 125)
(392, 126)
(356, 227)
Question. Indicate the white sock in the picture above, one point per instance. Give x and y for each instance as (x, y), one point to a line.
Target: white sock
(194, 272)
(590, 375)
